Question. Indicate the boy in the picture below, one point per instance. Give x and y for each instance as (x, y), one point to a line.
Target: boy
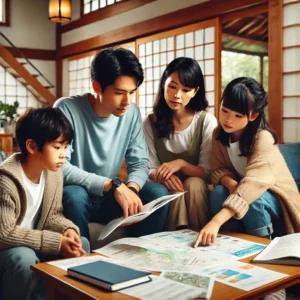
(31, 219)
(108, 128)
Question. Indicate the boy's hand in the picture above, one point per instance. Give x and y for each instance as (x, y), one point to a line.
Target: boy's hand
(208, 233)
(128, 200)
(70, 248)
(73, 235)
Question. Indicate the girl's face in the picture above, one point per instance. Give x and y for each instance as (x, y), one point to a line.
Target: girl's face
(234, 122)
(176, 95)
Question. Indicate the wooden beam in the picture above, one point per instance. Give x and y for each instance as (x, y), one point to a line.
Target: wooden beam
(230, 23)
(247, 52)
(193, 14)
(247, 26)
(230, 44)
(103, 13)
(244, 39)
(59, 64)
(257, 27)
(33, 53)
(275, 67)
(243, 13)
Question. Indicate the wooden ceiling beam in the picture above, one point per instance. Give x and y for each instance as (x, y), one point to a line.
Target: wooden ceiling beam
(253, 22)
(244, 39)
(229, 24)
(251, 31)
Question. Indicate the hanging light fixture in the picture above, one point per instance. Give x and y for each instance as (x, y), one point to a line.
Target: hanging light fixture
(60, 11)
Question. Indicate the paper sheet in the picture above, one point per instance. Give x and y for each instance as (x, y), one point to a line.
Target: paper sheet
(161, 288)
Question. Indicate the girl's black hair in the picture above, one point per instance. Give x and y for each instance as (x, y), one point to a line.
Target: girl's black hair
(245, 95)
(190, 75)
(42, 125)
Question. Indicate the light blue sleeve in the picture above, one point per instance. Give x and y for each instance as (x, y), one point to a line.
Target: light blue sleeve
(137, 154)
(73, 175)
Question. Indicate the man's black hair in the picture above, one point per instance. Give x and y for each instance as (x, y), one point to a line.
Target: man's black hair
(42, 125)
(111, 63)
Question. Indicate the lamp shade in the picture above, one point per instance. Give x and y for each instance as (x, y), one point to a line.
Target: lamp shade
(60, 11)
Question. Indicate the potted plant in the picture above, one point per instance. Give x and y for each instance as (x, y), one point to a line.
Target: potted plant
(8, 116)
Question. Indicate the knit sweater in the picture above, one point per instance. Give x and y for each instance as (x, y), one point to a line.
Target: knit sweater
(266, 170)
(46, 238)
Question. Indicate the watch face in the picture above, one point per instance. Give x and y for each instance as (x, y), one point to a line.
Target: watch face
(117, 181)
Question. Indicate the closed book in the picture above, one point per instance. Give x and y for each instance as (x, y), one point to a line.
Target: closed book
(109, 276)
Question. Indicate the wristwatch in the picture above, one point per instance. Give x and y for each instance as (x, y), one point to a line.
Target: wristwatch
(116, 182)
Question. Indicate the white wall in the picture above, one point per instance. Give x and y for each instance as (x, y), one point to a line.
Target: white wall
(140, 14)
(29, 25)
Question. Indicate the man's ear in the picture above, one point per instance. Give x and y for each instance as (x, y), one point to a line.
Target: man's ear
(96, 87)
(31, 146)
(253, 116)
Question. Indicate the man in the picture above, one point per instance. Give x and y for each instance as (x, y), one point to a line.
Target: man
(108, 128)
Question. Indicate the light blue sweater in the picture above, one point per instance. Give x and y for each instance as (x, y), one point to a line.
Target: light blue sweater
(101, 144)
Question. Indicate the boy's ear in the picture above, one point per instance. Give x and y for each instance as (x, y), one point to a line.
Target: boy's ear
(253, 116)
(31, 146)
(96, 87)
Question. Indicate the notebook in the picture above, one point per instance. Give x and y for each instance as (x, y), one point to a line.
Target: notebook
(109, 276)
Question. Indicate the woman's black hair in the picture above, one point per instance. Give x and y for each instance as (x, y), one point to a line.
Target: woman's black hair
(245, 95)
(190, 75)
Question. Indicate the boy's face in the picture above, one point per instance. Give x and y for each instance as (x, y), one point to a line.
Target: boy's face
(53, 154)
(116, 98)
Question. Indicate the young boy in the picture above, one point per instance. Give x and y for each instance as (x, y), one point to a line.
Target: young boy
(31, 219)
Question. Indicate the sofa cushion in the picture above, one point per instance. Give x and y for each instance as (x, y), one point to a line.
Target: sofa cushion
(291, 154)
(95, 230)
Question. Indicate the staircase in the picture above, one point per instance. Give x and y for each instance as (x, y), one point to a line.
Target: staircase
(23, 71)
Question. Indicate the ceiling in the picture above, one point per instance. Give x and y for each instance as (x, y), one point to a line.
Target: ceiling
(246, 35)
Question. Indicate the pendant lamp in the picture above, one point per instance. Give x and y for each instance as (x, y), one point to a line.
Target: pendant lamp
(60, 11)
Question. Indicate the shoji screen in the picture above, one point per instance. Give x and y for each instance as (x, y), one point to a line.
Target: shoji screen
(291, 71)
(200, 41)
(79, 71)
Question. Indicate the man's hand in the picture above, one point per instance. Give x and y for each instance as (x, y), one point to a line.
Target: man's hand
(174, 184)
(167, 169)
(208, 234)
(70, 248)
(128, 200)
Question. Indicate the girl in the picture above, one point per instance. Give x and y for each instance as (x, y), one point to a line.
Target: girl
(251, 179)
(178, 134)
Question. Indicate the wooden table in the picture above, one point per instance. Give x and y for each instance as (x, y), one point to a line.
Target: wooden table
(60, 284)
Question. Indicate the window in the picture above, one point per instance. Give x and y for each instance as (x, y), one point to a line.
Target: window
(3, 12)
(12, 90)
(92, 5)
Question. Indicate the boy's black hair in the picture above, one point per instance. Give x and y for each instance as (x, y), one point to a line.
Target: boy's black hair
(111, 63)
(42, 125)
(245, 95)
(190, 75)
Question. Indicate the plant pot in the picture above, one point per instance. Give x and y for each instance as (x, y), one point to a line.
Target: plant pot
(2, 130)
(10, 127)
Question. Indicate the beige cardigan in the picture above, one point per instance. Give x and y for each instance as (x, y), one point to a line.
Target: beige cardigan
(46, 238)
(266, 170)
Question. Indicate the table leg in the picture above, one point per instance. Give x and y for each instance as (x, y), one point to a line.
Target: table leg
(53, 293)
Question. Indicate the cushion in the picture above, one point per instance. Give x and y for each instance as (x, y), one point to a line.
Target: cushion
(291, 154)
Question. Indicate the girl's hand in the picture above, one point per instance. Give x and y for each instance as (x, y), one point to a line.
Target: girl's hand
(174, 184)
(208, 233)
(167, 169)
(70, 248)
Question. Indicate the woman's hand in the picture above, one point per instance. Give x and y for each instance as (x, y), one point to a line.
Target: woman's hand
(174, 184)
(167, 169)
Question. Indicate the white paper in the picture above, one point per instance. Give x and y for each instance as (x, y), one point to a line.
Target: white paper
(148, 210)
(282, 247)
(77, 261)
(161, 288)
(241, 275)
(204, 283)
